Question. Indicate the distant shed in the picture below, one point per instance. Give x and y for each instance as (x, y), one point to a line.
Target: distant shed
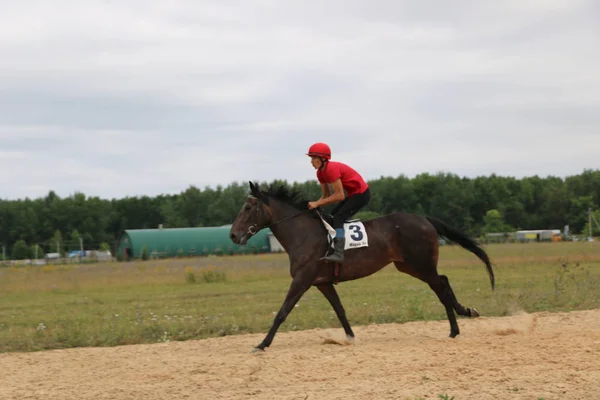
(197, 241)
(538, 235)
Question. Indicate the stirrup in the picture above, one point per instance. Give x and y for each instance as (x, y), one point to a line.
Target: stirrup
(338, 260)
(328, 257)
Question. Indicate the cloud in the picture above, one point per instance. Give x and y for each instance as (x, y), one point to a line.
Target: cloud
(129, 98)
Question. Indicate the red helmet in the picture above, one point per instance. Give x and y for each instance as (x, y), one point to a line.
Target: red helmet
(319, 150)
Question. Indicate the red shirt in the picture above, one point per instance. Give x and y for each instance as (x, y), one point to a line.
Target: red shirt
(352, 182)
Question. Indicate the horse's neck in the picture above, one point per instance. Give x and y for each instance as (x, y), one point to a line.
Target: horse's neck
(294, 229)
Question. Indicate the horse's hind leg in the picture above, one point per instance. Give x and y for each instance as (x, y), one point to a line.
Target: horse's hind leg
(439, 285)
(460, 309)
(436, 283)
(331, 295)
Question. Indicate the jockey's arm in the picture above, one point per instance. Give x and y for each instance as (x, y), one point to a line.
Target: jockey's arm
(335, 197)
(325, 191)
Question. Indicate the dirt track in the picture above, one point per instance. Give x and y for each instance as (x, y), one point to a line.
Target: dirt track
(529, 356)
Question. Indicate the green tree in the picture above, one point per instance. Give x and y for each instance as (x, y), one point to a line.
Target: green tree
(21, 251)
(532, 202)
(173, 218)
(595, 225)
(56, 243)
(577, 214)
(36, 251)
(74, 243)
(494, 223)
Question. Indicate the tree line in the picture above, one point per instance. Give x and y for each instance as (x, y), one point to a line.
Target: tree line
(476, 205)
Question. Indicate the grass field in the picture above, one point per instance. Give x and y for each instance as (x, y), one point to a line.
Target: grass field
(59, 306)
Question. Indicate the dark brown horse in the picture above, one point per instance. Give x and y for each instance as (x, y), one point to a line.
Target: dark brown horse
(409, 241)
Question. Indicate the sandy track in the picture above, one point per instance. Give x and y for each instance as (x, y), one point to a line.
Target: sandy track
(529, 356)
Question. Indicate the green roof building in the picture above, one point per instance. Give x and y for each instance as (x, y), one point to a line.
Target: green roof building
(172, 242)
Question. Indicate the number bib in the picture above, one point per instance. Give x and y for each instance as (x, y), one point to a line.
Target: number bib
(356, 235)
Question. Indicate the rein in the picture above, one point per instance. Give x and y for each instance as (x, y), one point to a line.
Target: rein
(253, 229)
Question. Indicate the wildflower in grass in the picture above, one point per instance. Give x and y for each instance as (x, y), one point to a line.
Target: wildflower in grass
(49, 268)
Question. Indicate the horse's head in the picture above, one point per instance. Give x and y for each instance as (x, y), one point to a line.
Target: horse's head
(252, 217)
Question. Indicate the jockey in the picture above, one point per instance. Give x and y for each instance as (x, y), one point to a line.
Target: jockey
(342, 178)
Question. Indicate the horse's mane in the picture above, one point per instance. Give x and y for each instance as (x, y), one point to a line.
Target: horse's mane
(286, 194)
(282, 192)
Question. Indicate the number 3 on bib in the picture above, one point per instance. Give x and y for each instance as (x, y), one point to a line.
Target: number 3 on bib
(356, 235)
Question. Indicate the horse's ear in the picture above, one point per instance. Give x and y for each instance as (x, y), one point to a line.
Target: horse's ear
(254, 190)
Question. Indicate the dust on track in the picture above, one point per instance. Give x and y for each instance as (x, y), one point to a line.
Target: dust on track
(523, 356)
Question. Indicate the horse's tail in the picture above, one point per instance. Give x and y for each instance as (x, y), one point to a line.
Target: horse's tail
(464, 241)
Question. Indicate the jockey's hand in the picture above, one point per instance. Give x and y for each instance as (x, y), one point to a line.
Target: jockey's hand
(312, 205)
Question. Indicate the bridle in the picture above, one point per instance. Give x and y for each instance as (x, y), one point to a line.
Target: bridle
(261, 212)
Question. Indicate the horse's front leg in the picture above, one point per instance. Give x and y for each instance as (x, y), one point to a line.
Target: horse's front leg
(331, 295)
(300, 284)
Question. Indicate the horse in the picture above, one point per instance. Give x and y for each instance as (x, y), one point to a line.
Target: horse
(409, 241)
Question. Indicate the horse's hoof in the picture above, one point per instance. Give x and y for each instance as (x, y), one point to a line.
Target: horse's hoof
(257, 350)
(453, 334)
(474, 313)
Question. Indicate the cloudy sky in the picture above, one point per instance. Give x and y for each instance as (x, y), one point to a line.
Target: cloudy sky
(130, 97)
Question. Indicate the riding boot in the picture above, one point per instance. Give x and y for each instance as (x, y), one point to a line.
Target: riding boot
(338, 250)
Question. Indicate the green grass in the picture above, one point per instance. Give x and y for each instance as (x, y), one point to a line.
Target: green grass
(145, 302)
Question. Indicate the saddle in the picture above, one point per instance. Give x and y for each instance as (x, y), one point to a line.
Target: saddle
(328, 218)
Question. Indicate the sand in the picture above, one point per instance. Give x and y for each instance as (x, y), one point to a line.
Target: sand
(524, 356)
